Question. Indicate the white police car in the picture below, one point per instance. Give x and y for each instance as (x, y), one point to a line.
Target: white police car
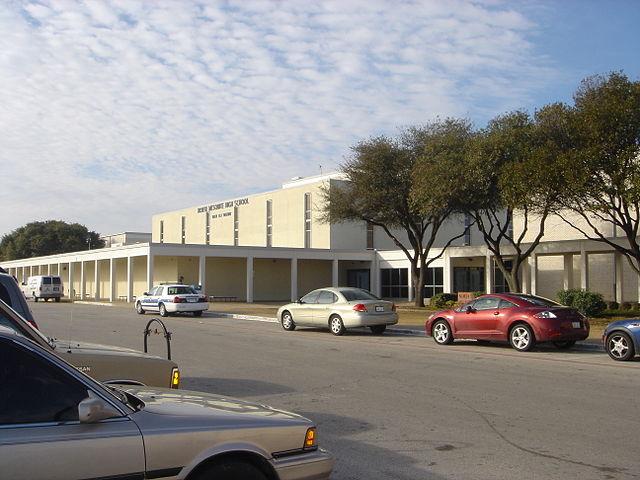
(172, 298)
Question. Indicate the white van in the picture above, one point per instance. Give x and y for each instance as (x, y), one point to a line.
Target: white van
(43, 286)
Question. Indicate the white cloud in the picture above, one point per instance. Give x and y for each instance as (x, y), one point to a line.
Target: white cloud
(114, 111)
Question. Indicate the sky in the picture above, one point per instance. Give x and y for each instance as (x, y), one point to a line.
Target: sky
(113, 111)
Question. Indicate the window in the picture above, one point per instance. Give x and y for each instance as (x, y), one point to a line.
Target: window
(467, 230)
(486, 303)
(236, 227)
(35, 390)
(311, 297)
(433, 281)
(500, 282)
(161, 231)
(207, 228)
(269, 223)
(183, 226)
(307, 220)
(394, 282)
(369, 236)
(506, 304)
(327, 297)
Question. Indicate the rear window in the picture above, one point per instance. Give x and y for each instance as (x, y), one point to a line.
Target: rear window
(538, 301)
(180, 290)
(56, 281)
(352, 295)
(46, 280)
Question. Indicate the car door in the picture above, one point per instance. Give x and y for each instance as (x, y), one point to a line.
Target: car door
(324, 307)
(40, 434)
(303, 310)
(153, 299)
(480, 319)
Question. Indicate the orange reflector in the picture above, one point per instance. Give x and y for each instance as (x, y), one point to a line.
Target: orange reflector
(175, 378)
(310, 439)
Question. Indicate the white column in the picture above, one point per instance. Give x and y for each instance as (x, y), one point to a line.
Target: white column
(447, 273)
(96, 276)
(83, 279)
(249, 279)
(202, 273)
(568, 271)
(533, 266)
(619, 269)
(488, 273)
(334, 273)
(70, 290)
(150, 264)
(294, 279)
(584, 269)
(112, 279)
(129, 279)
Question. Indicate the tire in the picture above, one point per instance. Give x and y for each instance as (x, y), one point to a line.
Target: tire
(619, 346)
(378, 329)
(197, 313)
(231, 469)
(163, 310)
(35, 299)
(57, 299)
(287, 321)
(441, 332)
(566, 345)
(521, 337)
(139, 308)
(336, 325)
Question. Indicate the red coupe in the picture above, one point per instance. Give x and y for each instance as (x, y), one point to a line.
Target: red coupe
(522, 320)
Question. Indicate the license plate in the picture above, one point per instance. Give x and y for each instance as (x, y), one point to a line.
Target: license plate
(379, 308)
(192, 300)
(55, 289)
(576, 324)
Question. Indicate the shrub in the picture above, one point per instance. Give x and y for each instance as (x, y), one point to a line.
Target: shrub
(612, 305)
(589, 303)
(443, 300)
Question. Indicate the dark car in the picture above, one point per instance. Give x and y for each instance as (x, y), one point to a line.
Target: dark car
(622, 339)
(521, 319)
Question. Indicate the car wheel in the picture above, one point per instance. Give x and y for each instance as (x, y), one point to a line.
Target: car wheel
(57, 299)
(139, 308)
(35, 299)
(231, 470)
(197, 313)
(619, 346)
(287, 321)
(378, 329)
(336, 325)
(441, 333)
(163, 310)
(565, 345)
(521, 338)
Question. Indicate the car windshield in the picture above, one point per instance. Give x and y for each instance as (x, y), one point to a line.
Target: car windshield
(180, 290)
(352, 295)
(537, 301)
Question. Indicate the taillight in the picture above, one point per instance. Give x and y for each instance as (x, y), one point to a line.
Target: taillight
(177, 300)
(393, 307)
(360, 307)
(204, 299)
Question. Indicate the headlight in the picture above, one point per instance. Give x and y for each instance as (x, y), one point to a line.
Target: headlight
(545, 314)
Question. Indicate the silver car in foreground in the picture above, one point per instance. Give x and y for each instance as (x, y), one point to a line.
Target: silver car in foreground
(339, 308)
(58, 424)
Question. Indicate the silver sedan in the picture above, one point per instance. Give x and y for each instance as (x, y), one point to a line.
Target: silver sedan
(339, 308)
(58, 424)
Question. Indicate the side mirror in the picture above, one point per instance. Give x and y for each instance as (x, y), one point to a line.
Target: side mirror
(146, 293)
(469, 309)
(93, 409)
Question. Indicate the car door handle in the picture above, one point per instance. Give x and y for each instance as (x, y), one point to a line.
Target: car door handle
(496, 313)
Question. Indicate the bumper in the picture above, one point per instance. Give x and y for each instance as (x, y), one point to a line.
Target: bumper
(186, 307)
(309, 466)
(369, 319)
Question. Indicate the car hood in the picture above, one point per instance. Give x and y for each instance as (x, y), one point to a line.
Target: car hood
(630, 322)
(73, 346)
(185, 403)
